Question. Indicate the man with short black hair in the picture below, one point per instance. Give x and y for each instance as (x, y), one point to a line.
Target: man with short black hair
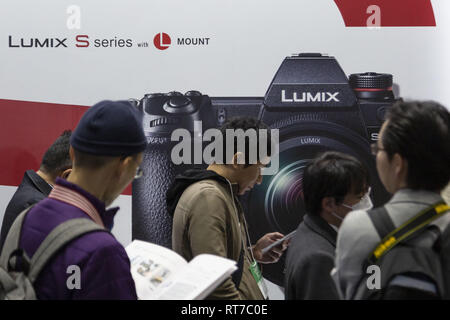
(36, 185)
(413, 162)
(208, 217)
(107, 149)
(333, 184)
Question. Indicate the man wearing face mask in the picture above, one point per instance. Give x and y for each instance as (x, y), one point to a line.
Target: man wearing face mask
(333, 185)
(107, 149)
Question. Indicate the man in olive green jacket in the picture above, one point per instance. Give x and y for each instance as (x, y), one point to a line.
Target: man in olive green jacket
(208, 218)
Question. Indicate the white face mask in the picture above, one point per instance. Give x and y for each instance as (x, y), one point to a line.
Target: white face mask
(364, 204)
(335, 215)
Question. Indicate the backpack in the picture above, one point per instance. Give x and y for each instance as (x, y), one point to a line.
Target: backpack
(413, 259)
(18, 272)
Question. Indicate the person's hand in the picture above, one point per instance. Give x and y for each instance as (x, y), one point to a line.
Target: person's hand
(274, 254)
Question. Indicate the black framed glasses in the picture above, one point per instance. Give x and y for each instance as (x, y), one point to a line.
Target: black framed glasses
(374, 148)
(139, 173)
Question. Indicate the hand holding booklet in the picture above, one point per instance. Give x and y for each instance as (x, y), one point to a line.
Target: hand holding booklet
(161, 274)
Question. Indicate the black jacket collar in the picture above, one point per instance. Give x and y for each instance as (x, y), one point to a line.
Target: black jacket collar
(38, 182)
(320, 226)
(184, 180)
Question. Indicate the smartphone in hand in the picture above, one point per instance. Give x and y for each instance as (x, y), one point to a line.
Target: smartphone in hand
(278, 242)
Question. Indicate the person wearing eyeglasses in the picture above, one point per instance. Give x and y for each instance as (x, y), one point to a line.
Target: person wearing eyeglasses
(333, 185)
(413, 163)
(107, 150)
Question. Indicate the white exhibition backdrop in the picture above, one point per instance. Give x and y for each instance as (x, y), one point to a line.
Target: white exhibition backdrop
(247, 41)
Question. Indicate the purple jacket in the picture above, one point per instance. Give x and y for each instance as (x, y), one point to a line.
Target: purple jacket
(103, 262)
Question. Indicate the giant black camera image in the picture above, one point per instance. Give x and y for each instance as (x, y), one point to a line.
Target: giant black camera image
(315, 107)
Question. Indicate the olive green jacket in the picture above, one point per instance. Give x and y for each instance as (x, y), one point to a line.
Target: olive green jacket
(209, 219)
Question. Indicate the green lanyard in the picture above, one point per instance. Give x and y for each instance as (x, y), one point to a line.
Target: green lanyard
(254, 268)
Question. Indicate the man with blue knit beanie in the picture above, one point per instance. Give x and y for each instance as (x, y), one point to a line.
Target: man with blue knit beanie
(106, 149)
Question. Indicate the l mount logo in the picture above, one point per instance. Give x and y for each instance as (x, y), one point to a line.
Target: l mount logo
(310, 97)
(162, 41)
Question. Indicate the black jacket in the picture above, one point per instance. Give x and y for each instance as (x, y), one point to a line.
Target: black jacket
(184, 180)
(31, 190)
(309, 261)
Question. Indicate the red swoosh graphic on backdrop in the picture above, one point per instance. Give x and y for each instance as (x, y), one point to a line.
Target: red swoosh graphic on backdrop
(394, 13)
(27, 129)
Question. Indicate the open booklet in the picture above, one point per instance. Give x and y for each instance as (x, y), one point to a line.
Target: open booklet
(161, 274)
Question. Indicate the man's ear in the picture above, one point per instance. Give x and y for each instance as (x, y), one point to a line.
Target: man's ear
(65, 173)
(238, 161)
(400, 164)
(400, 167)
(328, 204)
(124, 164)
(71, 153)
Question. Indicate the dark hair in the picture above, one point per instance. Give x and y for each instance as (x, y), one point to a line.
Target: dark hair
(57, 159)
(245, 123)
(332, 174)
(419, 132)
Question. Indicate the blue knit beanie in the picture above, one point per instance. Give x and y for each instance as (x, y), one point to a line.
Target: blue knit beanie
(110, 128)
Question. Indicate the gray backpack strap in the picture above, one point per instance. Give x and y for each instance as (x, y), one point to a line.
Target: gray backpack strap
(7, 283)
(13, 239)
(57, 239)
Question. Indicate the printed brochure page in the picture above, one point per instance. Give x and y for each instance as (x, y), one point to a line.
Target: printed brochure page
(160, 273)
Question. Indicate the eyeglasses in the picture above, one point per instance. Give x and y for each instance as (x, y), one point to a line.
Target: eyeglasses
(365, 203)
(139, 173)
(374, 148)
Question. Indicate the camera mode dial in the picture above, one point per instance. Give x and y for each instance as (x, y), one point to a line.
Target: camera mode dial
(153, 95)
(174, 94)
(193, 93)
(371, 80)
(179, 104)
(372, 85)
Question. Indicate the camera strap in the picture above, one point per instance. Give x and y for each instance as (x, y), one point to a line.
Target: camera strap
(409, 228)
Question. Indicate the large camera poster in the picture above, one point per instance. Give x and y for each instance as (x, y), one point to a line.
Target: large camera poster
(300, 66)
